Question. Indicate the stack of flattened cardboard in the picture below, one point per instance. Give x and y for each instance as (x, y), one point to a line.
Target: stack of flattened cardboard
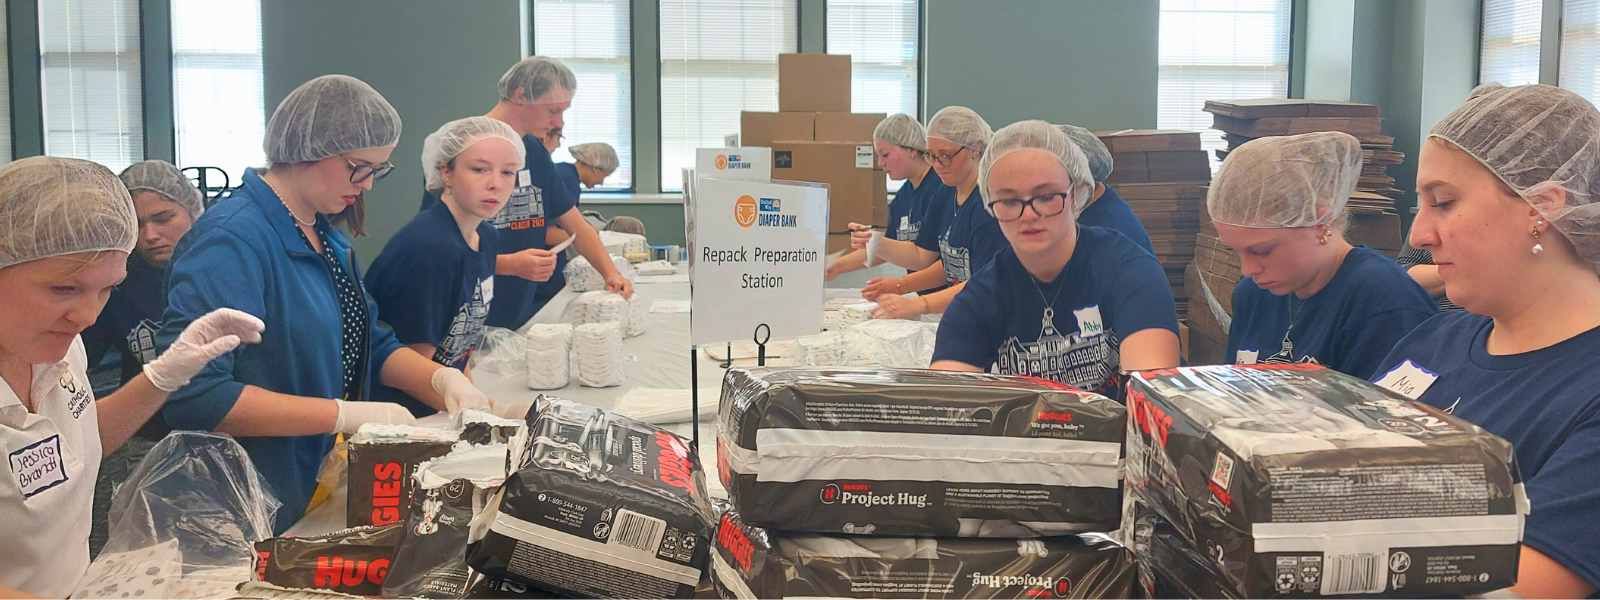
(1374, 221)
(1210, 280)
(1162, 174)
(814, 137)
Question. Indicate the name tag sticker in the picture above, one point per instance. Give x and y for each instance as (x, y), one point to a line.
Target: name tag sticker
(39, 466)
(524, 179)
(1089, 324)
(905, 222)
(1408, 379)
(1247, 357)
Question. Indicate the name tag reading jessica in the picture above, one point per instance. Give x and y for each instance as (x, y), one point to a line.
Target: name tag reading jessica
(39, 466)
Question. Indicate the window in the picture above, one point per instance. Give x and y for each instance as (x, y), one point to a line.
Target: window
(1219, 50)
(1508, 51)
(89, 63)
(216, 84)
(718, 57)
(593, 38)
(1580, 47)
(881, 38)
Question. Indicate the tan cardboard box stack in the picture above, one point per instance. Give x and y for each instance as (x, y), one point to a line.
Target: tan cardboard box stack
(1374, 221)
(1162, 174)
(814, 137)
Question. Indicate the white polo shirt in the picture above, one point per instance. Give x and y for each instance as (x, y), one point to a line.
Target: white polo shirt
(52, 457)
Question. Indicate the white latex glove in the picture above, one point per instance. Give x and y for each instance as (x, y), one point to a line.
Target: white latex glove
(458, 391)
(510, 410)
(214, 334)
(352, 415)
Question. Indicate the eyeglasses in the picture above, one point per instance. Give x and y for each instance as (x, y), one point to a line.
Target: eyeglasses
(1044, 205)
(360, 173)
(942, 160)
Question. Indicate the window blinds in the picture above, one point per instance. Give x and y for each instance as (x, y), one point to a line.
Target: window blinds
(1509, 46)
(216, 84)
(1580, 47)
(881, 38)
(718, 57)
(593, 38)
(89, 66)
(1219, 50)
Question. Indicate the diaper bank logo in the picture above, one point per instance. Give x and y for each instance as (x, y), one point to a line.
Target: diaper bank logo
(732, 162)
(744, 211)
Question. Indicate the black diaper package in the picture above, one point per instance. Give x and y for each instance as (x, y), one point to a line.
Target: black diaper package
(1297, 481)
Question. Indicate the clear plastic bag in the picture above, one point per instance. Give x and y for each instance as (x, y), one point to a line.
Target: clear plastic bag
(600, 306)
(502, 352)
(185, 523)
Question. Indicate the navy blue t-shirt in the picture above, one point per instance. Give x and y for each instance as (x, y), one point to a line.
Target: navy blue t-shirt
(128, 324)
(568, 172)
(1110, 290)
(432, 288)
(1545, 402)
(1112, 212)
(966, 236)
(1349, 326)
(539, 198)
(909, 206)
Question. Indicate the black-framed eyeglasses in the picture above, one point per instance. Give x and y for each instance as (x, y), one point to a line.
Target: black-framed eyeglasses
(942, 160)
(1044, 205)
(360, 172)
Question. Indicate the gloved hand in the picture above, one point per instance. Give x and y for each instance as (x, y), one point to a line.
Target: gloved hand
(458, 391)
(352, 415)
(214, 334)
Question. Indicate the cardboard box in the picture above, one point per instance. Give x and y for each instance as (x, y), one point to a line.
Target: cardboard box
(1380, 232)
(813, 83)
(847, 127)
(1149, 140)
(838, 241)
(1183, 340)
(763, 128)
(856, 186)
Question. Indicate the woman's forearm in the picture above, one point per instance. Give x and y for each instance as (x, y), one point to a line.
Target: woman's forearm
(412, 373)
(122, 413)
(263, 413)
(940, 300)
(905, 255)
(1428, 277)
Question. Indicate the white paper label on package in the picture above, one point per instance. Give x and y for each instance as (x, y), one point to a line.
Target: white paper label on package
(759, 250)
(864, 157)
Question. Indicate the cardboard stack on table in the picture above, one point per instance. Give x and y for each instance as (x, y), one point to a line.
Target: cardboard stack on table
(1374, 221)
(814, 137)
(1162, 174)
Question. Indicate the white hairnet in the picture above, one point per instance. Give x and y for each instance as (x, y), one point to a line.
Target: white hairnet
(599, 155)
(1099, 155)
(164, 178)
(58, 206)
(959, 125)
(902, 130)
(453, 138)
(543, 80)
(327, 116)
(1537, 138)
(1290, 181)
(1042, 136)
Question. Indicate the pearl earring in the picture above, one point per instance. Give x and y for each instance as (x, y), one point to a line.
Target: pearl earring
(1538, 248)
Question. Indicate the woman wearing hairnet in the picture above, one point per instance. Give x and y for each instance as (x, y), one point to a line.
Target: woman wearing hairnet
(273, 250)
(166, 205)
(1106, 208)
(434, 281)
(593, 163)
(67, 228)
(1307, 295)
(1508, 187)
(901, 144)
(958, 236)
(1067, 302)
(534, 93)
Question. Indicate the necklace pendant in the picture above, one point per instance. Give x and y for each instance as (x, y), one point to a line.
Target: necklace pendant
(1049, 316)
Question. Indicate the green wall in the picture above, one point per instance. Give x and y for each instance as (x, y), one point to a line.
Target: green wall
(1091, 63)
(432, 60)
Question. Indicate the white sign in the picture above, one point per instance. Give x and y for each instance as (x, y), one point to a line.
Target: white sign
(742, 164)
(758, 253)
